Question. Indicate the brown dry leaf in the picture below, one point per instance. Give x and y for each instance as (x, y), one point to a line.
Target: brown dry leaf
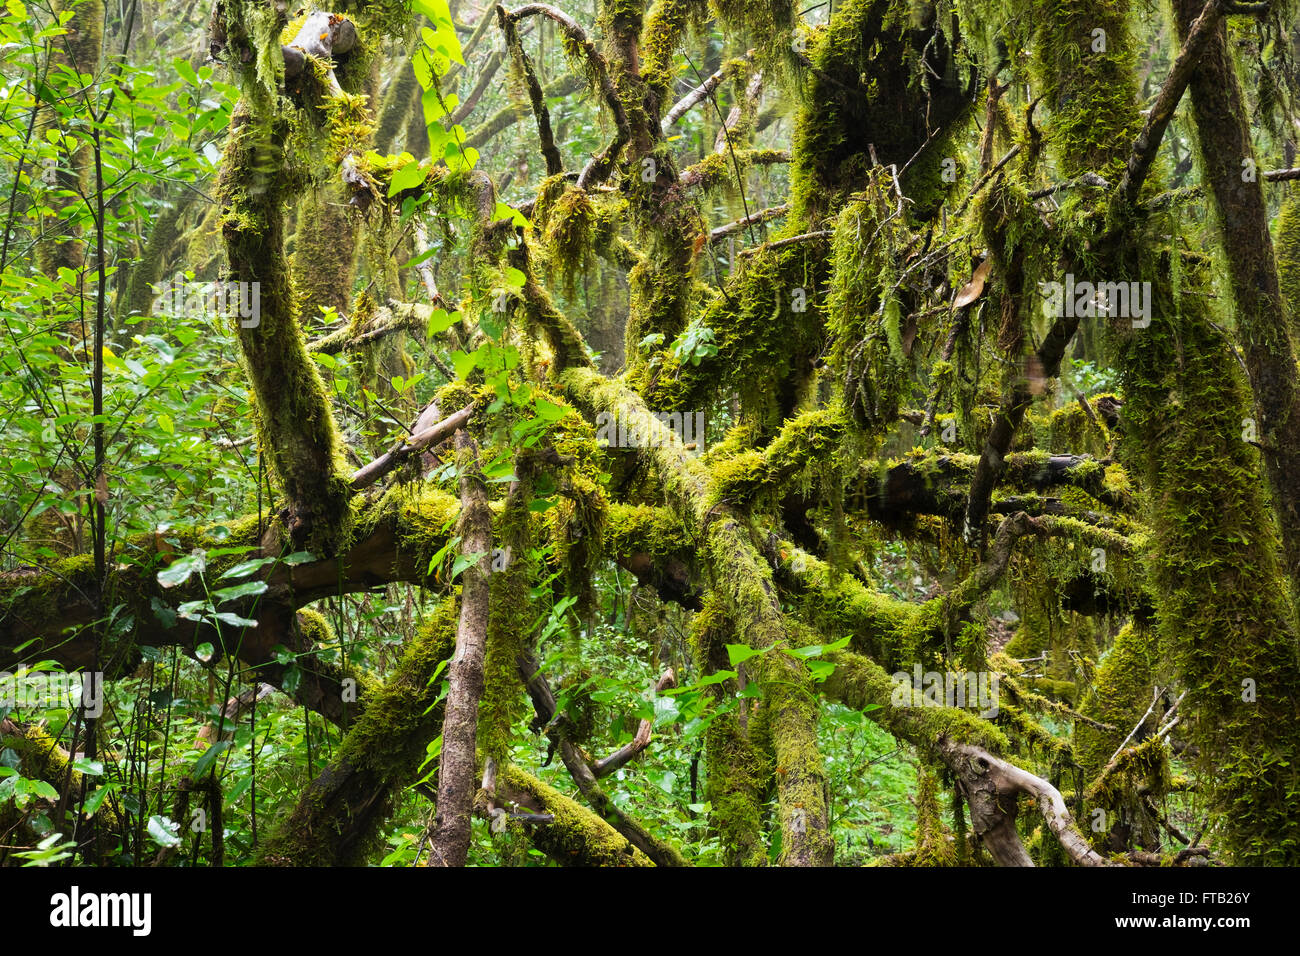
(975, 288)
(161, 544)
(101, 488)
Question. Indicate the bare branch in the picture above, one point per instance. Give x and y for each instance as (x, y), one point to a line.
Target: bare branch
(1148, 141)
(457, 764)
(991, 785)
(390, 459)
(698, 93)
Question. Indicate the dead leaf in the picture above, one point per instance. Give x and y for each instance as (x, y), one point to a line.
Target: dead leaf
(101, 488)
(975, 288)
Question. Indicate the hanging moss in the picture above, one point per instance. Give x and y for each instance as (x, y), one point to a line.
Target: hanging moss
(568, 235)
(766, 329)
(934, 845)
(769, 27)
(858, 97)
(665, 28)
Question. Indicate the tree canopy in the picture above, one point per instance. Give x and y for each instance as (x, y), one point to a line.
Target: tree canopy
(650, 432)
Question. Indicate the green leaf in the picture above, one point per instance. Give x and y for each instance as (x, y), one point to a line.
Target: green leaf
(204, 651)
(434, 106)
(407, 177)
(91, 768)
(465, 363)
(43, 790)
(186, 71)
(549, 410)
(502, 211)
(739, 653)
(440, 321)
(816, 650)
(464, 561)
(439, 11)
(298, 557)
(442, 552)
(165, 614)
(179, 571)
(245, 568)
(163, 831)
(239, 590)
(93, 801)
(234, 620)
(165, 423)
(820, 670)
(208, 758)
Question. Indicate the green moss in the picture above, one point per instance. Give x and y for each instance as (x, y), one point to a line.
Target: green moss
(1071, 431)
(1287, 244)
(859, 98)
(768, 27)
(800, 457)
(737, 771)
(934, 846)
(511, 616)
(577, 837)
(1222, 603)
(766, 328)
(295, 423)
(644, 529)
(861, 684)
(568, 234)
(665, 28)
(1091, 93)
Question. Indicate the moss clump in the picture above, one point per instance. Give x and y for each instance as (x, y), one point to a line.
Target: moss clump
(1084, 60)
(568, 235)
(577, 837)
(798, 458)
(1072, 431)
(662, 34)
(768, 26)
